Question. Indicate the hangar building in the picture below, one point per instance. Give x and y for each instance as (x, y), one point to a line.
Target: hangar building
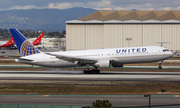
(111, 29)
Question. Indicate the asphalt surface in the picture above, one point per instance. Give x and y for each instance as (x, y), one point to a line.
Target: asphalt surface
(79, 76)
(125, 67)
(116, 100)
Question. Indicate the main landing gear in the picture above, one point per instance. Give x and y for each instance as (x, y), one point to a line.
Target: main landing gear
(93, 71)
(160, 67)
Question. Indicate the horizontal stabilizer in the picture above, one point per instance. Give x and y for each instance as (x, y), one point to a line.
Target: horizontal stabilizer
(25, 59)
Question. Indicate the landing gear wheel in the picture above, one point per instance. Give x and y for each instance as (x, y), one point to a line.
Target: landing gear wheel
(91, 71)
(97, 71)
(160, 62)
(85, 72)
(160, 67)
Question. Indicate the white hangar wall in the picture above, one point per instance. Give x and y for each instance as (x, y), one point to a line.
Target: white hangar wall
(82, 37)
(94, 36)
(75, 36)
(116, 35)
(109, 29)
(98, 36)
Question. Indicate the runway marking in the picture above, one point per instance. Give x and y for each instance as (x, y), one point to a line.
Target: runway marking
(176, 96)
(46, 95)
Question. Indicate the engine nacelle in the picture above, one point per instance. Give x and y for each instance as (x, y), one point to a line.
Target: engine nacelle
(117, 65)
(104, 63)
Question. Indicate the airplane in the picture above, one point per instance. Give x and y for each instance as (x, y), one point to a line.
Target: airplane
(98, 58)
(38, 40)
(9, 43)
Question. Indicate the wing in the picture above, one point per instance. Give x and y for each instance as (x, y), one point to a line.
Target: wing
(73, 59)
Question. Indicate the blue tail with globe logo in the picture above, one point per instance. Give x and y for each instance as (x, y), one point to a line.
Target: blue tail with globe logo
(24, 46)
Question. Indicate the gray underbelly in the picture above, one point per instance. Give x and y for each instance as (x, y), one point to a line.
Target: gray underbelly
(55, 64)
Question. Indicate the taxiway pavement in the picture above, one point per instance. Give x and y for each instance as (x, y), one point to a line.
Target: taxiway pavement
(116, 100)
(79, 76)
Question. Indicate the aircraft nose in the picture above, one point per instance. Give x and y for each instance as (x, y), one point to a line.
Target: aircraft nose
(171, 53)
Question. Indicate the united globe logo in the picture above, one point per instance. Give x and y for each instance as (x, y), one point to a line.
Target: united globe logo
(28, 49)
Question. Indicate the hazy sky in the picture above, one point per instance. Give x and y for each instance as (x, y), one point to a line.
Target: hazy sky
(95, 4)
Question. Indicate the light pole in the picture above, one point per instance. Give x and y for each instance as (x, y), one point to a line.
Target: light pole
(149, 99)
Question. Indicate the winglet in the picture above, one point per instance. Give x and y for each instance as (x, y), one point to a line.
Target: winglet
(24, 46)
(38, 40)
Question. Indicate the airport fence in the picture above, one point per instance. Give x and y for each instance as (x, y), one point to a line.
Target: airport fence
(39, 106)
(68, 106)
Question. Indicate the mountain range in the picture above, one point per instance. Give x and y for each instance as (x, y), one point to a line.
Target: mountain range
(41, 19)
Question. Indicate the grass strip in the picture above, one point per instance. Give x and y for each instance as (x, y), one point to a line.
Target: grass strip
(118, 88)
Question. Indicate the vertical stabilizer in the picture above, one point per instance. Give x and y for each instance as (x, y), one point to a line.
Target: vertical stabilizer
(11, 41)
(38, 40)
(24, 46)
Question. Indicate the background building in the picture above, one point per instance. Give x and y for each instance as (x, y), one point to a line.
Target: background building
(51, 44)
(59, 43)
(109, 29)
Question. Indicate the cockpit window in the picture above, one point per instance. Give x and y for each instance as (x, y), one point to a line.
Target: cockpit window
(164, 50)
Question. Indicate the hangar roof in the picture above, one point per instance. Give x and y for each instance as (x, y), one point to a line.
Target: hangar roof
(130, 17)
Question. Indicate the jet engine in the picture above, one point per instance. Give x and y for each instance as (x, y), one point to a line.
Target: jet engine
(117, 64)
(104, 63)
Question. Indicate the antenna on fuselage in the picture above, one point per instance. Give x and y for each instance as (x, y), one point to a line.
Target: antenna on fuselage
(162, 43)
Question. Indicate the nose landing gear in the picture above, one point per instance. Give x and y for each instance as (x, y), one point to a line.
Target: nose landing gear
(160, 67)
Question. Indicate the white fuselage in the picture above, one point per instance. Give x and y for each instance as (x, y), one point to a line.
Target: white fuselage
(117, 55)
(3, 42)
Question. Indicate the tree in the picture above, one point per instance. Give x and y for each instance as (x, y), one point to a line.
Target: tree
(51, 34)
(101, 104)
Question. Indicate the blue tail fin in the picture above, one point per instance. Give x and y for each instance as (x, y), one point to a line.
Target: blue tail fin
(24, 46)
